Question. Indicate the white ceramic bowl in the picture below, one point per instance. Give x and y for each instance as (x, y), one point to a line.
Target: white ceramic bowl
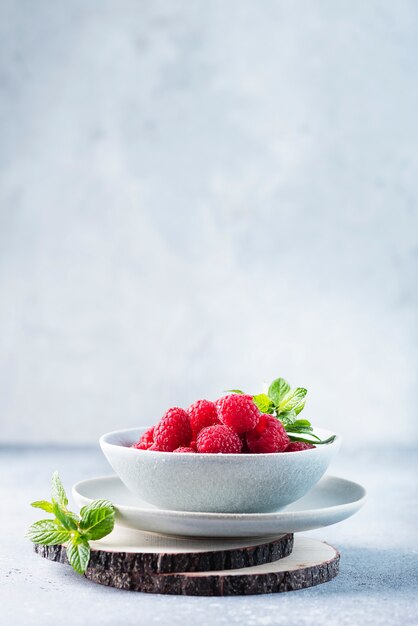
(220, 483)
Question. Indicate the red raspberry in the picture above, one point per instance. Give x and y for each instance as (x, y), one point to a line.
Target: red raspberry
(217, 402)
(239, 412)
(183, 449)
(154, 448)
(296, 446)
(173, 430)
(202, 413)
(146, 440)
(218, 438)
(273, 438)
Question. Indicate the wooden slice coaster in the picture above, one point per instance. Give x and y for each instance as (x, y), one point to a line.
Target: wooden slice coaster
(310, 563)
(125, 555)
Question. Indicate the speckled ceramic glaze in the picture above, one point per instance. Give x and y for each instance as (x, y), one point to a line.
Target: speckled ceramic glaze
(330, 501)
(221, 483)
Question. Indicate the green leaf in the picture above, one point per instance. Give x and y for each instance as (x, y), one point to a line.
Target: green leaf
(300, 407)
(78, 553)
(46, 532)
(301, 430)
(292, 400)
(299, 426)
(302, 423)
(316, 442)
(329, 440)
(264, 403)
(44, 505)
(277, 390)
(233, 391)
(97, 519)
(287, 418)
(57, 490)
(66, 518)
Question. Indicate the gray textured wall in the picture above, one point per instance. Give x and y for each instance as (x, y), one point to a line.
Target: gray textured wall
(199, 195)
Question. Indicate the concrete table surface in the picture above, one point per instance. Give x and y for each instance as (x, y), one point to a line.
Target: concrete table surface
(377, 584)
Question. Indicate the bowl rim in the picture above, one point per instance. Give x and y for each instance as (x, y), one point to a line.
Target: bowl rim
(103, 440)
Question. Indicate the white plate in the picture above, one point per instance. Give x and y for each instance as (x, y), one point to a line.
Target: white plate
(332, 500)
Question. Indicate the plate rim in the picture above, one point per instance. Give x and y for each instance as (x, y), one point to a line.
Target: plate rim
(229, 516)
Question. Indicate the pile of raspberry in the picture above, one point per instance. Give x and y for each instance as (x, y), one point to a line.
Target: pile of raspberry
(231, 425)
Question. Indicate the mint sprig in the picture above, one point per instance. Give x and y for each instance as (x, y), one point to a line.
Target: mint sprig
(286, 404)
(96, 520)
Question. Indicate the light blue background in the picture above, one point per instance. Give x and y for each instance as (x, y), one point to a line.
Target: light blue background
(202, 195)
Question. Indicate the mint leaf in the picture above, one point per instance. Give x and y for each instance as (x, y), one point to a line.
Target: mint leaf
(44, 505)
(234, 391)
(317, 441)
(287, 418)
(47, 533)
(329, 440)
(300, 407)
(263, 402)
(67, 519)
(277, 390)
(300, 426)
(292, 400)
(302, 423)
(78, 553)
(97, 519)
(57, 490)
(307, 430)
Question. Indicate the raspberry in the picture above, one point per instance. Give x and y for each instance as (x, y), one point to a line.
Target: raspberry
(296, 446)
(146, 440)
(183, 449)
(239, 412)
(218, 438)
(154, 448)
(273, 438)
(218, 402)
(202, 413)
(173, 430)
